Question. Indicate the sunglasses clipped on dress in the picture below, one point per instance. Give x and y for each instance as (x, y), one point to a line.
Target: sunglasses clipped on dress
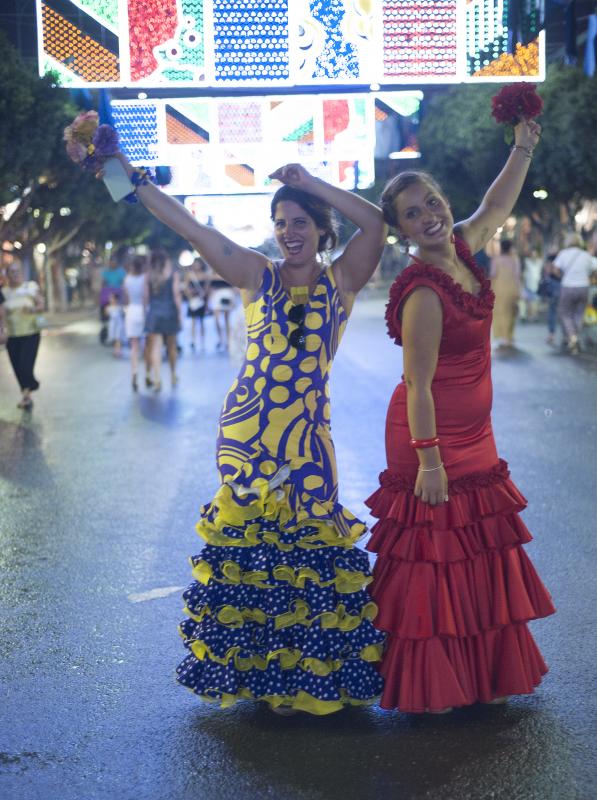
(297, 337)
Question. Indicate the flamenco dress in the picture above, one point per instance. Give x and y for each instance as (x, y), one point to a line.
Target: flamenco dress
(454, 587)
(278, 610)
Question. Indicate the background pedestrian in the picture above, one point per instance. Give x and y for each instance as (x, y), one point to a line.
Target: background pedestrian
(162, 322)
(575, 267)
(505, 282)
(549, 290)
(221, 301)
(134, 312)
(23, 302)
(196, 290)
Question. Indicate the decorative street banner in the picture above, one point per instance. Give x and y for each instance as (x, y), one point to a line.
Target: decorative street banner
(269, 43)
(230, 146)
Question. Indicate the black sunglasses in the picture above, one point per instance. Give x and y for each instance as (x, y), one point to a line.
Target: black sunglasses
(296, 315)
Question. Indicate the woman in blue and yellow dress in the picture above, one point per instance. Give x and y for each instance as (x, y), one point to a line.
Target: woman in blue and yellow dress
(278, 609)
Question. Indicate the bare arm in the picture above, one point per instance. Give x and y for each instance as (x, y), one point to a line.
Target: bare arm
(361, 255)
(421, 335)
(176, 291)
(240, 266)
(503, 193)
(2, 323)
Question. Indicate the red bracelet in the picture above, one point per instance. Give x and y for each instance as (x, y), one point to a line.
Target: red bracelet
(421, 444)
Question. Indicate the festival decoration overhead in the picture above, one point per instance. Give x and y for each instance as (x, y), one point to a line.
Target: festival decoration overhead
(269, 43)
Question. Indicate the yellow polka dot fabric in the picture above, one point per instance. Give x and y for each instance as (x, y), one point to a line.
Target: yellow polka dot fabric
(277, 412)
(278, 610)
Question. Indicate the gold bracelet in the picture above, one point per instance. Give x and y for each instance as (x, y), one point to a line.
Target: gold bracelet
(431, 469)
(527, 150)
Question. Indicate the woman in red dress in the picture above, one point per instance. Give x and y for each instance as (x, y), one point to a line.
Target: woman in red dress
(454, 587)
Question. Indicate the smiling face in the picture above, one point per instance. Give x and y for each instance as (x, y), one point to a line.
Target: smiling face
(296, 233)
(424, 216)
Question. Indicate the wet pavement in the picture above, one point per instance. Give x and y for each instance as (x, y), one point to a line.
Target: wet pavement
(99, 493)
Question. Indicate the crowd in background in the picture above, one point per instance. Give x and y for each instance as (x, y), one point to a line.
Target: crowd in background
(146, 300)
(562, 284)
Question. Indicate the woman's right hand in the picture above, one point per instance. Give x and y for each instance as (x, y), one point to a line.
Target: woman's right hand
(294, 175)
(432, 487)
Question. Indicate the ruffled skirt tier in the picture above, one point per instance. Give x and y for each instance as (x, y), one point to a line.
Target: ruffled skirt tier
(278, 610)
(455, 590)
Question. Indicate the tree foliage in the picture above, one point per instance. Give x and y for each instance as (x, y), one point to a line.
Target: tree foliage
(58, 204)
(464, 148)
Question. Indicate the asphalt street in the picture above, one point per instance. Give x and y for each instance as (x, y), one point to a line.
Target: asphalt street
(99, 493)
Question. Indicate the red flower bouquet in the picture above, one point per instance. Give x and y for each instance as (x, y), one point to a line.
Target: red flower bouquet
(516, 102)
(88, 143)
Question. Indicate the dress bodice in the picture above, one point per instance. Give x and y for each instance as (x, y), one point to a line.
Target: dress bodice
(466, 317)
(275, 424)
(280, 388)
(461, 386)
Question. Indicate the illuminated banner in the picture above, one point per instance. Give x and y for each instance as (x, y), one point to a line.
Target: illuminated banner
(230, 146)
(269, 43)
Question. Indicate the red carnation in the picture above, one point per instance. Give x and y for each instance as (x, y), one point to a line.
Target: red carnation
(515, 102)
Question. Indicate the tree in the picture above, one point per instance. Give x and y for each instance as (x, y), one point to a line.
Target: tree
(464, 148)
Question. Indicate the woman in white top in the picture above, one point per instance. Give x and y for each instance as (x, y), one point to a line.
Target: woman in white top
(575, 266)
(23, 302)
(134, 319)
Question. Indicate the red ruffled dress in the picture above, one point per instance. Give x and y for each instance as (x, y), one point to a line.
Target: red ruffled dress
(453, 584)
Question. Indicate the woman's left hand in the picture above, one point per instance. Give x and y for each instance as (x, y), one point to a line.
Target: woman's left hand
(527, 133)
(293, 175)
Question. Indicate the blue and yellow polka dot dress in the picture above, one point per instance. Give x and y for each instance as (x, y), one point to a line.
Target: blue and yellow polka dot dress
(278, 610)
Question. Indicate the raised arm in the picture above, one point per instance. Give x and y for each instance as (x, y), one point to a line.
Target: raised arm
(503, 193)
(421, 334)
(361, 255)
(238, 265)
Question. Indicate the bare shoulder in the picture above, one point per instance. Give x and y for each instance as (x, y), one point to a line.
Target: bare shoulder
(422, 301)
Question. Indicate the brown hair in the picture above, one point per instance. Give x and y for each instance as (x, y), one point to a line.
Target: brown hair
(397, 185)
(138, 265)
(157, 264)
(320, 212)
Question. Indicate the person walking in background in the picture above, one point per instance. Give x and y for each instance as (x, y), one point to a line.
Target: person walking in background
(454, 587)
(531, 275)
(505, 282)
(549, 290)
(221, 301)
(23, 302)
(115, 316)
(134, 312)
(112, 281)
(162, 323)
(196, 290)
(575, 267)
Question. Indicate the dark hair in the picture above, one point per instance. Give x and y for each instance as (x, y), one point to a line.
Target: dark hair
(157, 264)
(138, 265)
(320, 212)
(505, 246)
(397, 185)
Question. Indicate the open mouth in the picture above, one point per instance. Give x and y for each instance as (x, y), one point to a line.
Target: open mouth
(434, 229)
(293, 247)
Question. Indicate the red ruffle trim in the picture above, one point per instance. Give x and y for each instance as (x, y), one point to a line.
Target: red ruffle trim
(478, 306)
(433, 674)
(472, 497)
(423, 599)
(424, 543)
(454, 589)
